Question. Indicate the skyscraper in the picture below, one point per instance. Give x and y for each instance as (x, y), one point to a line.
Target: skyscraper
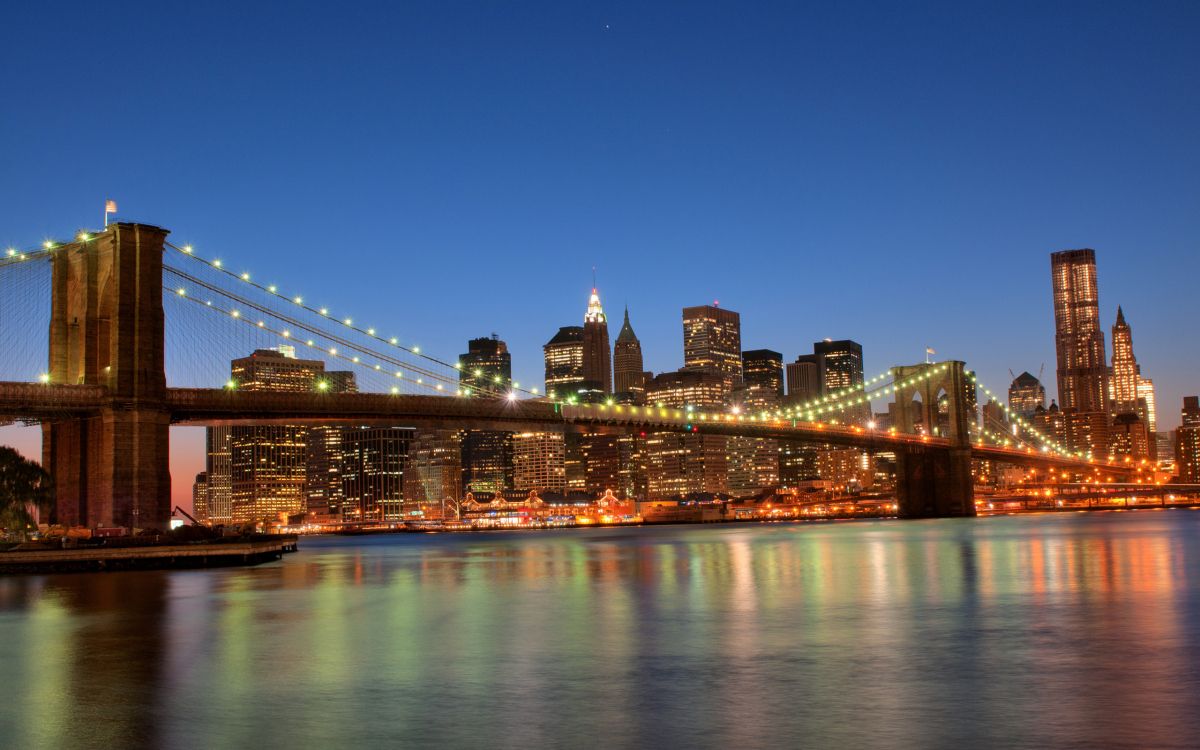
(712, 342)
(597, 362)
(564, 363)
(1146, 402)
(433, 475)
(486, 368)
(269, 463)
(219, 468)
(1078, 339)
(754, 461)
(762, 374)
(676, 463)
(1124, 367)
(1025, 394)
(805, 379)
(628, 375)
(374, 460)
(842, 366)
(200, 498)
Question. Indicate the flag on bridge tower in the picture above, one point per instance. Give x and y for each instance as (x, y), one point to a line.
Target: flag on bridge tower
(110, 207)
(928, 353)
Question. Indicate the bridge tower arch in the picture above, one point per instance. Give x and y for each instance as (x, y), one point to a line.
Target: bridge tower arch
(934, 481)
(106, 328)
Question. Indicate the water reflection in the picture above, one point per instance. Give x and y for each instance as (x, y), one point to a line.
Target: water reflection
(1080, 630)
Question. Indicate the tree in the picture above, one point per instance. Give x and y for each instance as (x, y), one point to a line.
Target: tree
(24, 485)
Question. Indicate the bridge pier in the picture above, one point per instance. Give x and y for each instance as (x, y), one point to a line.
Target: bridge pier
(935, 483)
(106, 328)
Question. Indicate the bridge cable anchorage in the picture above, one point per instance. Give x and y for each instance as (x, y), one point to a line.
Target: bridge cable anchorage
(348, 322)
(284, 335)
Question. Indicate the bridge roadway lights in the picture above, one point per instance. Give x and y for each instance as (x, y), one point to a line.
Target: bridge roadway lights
(935, 483)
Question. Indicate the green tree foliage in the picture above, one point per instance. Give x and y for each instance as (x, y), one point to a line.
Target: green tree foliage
(24, 485)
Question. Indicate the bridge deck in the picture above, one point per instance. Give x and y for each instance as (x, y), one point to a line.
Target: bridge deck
(210, 406)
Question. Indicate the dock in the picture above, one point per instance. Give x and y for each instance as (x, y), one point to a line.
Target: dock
(149, 557)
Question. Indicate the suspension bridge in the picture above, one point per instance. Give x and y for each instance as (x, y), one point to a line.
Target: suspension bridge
(100, 336)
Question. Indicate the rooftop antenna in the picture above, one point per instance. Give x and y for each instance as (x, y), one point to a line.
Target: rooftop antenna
(593, 278)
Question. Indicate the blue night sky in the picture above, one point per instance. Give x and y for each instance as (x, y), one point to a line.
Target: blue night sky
(885, 172)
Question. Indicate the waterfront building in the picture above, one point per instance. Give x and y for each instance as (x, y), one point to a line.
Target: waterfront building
(564, 363)
(375, 459)
(847, 469)
(1079, 346)
(433, 475)
(629, 378)
(486, 369)
(754, 461)
(539, 462)
(218, 467)
(597, 362)
(712, 342)
(268, 463)
(200, 498)
(683, 463)
(487, 461)
(1025, 394)
(325, 461)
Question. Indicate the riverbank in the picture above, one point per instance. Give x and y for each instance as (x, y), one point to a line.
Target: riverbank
(148, 557)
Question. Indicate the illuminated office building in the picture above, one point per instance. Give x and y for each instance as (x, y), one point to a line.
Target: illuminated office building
(1079, 345)
(564, 363)
(712, 342)
(684, 463)
(539, 462)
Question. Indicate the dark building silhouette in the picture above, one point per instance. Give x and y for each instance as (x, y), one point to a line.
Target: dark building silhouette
(486, 367)
(629, 378)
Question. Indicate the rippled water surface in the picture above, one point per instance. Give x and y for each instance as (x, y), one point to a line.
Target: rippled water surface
(1048, 631)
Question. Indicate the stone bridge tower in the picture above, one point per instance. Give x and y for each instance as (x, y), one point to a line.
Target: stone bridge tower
(934, 482)
(106, 328)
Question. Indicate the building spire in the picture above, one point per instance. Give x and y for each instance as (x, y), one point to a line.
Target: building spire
(595, 311)
(1120, 316)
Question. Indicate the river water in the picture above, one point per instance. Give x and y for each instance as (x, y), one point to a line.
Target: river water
(1068, 630)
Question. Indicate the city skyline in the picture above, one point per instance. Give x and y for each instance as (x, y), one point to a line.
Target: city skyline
(921, 172)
